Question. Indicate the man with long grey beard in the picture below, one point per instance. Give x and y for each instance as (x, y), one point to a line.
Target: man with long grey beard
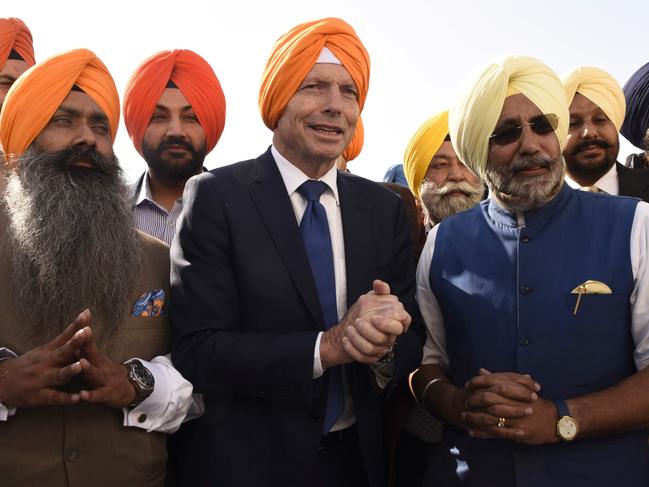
(535, 303)
(99, 393)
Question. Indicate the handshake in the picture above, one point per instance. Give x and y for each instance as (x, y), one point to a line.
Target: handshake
(368, 331)
(34, 378)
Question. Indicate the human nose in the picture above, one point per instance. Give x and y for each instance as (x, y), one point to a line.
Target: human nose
(456, 171)
(175, 127)
(85, 136)
(530, 141)
(588, 131)
(334, 99)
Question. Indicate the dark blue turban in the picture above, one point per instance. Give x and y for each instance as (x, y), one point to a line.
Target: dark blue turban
(636, 121)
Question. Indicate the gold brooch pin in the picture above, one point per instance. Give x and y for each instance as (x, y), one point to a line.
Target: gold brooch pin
(589, 287)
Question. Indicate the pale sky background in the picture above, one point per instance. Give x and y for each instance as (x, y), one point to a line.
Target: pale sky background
(420, 52)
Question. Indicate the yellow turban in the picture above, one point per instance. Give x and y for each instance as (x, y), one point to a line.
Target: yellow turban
(356, 144)
(421, 149)
(600, 88)
(473, 118)
(38, 93)
(295, 53)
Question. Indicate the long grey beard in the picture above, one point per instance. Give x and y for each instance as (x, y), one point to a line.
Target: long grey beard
(438, 205)
(74, 243)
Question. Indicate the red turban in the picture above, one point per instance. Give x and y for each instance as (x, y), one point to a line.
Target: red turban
(38, 93)
(192, 75)
(14, 34)
(356, 145)
(295, 53)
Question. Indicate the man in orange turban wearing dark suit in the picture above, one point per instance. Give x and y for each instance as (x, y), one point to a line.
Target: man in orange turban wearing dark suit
(293, 287)
(174, 111)
(76, 407)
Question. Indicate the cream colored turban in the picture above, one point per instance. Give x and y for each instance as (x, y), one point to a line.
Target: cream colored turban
(600, 88)
(473, 118)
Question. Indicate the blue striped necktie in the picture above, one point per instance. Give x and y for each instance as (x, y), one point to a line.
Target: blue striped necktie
(317, 242)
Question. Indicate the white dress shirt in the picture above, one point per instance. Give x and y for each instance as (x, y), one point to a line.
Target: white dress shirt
(435, 347)
(293, 179)
(150, 217)
(163, 411)
(608, 183)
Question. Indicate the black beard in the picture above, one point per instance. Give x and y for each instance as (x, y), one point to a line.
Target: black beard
(172, 171)
(588, 171)
(73, 240)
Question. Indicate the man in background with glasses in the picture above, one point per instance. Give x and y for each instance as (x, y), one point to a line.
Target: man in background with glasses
(533, 301)
(597, 109)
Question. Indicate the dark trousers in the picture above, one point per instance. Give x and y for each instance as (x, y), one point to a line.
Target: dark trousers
(340, 463)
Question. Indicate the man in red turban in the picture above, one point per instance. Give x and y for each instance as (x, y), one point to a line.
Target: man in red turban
(174, 111)
(291, 282)
(67, 242)
(16, 52)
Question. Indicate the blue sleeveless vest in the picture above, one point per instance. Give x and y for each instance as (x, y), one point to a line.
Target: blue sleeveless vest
(504, 290)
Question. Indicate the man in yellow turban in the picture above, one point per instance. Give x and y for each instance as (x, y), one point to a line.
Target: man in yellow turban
(535, 303)
(174, 111)
(291, 282)
(597, 108)
(442, 184)
(71, 401)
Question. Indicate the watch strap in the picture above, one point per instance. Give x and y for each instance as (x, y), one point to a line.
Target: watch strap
(562, 408)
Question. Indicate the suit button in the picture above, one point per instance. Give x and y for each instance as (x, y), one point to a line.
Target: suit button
(525, 290)
(524, 342)
(525, 239)
(141, 418)
(71, 454)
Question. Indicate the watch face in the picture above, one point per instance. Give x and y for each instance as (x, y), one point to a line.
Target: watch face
(567, 428)
(143, 374)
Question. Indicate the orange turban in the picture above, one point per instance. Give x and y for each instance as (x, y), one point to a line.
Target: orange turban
(356, 145)
(38, 93)
(192, 75)
(295, 53)
(14, 34)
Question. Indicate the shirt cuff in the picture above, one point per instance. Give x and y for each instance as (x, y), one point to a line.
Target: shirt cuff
(6, 412)
(167, 406)
(317, 363)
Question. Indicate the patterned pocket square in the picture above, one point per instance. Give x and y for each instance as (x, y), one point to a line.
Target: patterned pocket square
(150, 304)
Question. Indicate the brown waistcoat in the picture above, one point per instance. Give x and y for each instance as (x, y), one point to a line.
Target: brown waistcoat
(85, 444)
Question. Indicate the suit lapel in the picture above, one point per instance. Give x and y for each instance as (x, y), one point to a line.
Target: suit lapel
(633, 182)
(274, 205)
(354, 209)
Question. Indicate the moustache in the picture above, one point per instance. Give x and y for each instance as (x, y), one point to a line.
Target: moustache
(462, 186)
(531, 162)
(172, 142)
(591, 143)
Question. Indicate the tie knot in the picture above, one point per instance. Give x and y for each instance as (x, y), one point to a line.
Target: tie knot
(312, 189)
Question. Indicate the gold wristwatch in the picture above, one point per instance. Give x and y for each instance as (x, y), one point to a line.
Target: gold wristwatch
(567, 427)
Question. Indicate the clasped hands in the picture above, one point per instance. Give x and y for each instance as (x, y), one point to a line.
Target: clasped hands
(34, 378)
(368, 331)
(511, 400)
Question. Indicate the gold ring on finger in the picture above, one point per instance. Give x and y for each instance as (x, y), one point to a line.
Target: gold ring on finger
(501, 422)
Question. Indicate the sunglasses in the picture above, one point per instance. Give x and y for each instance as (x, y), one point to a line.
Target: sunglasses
(540, 125)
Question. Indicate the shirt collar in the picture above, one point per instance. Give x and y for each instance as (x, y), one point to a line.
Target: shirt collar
(608, 182)
(144, 191)
(294, 177)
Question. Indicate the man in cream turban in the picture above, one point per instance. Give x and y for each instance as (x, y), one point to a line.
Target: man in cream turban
(174, 111)
(442, 184)
(596, 114)
(291, 282)
(74, 400)
(535, 303)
